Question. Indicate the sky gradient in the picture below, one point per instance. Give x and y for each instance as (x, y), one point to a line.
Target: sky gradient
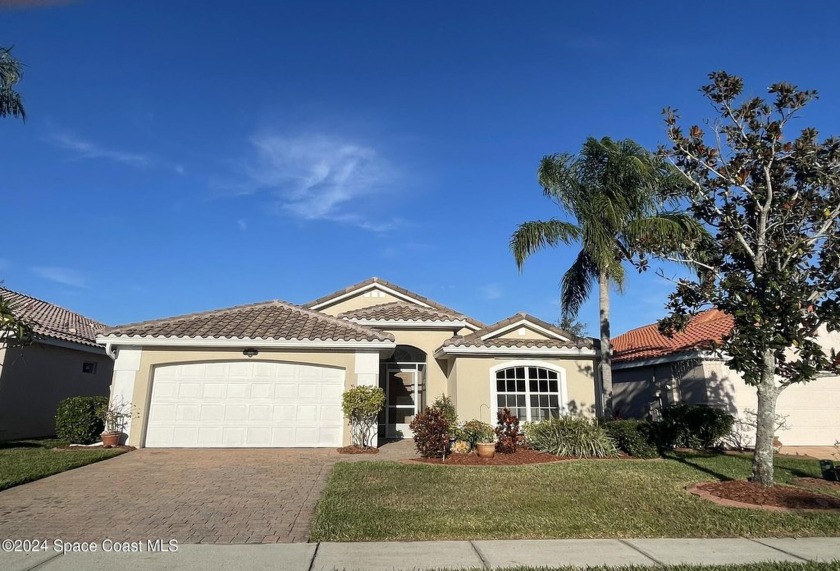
(178, 159)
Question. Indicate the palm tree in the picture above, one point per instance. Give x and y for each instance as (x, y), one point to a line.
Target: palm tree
(616, 192)
(11, 71)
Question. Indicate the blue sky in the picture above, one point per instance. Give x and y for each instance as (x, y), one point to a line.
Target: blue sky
(178, 159)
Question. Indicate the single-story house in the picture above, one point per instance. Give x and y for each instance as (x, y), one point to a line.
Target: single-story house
(272, 374)
(63, 360)
(651, 371)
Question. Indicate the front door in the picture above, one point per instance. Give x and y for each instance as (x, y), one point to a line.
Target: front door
(403, 388)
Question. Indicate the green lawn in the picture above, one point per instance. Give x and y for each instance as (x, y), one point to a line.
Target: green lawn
(26, 460)
(366, 501)
(833, 566)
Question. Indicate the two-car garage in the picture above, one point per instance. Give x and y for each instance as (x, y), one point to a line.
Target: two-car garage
(245, 404)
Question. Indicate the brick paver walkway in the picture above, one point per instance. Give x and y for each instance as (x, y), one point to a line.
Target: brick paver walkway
(191, 495)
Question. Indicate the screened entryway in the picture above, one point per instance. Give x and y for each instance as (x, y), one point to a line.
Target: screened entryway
(531, 392)
(404, 382)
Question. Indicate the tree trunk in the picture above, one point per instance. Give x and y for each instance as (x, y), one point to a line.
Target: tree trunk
(606, 347)
(765, 428)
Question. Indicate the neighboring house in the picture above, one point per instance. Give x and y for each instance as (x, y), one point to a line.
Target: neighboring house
(62, 361)
(651, 371)
(272, 374)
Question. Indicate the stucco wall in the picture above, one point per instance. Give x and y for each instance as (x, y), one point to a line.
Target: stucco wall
(33, 380)
(472, 383)
(361, 300)
(152, 357)
(522, 332)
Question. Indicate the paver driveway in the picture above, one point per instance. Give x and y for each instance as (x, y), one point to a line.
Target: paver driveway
(193, 496)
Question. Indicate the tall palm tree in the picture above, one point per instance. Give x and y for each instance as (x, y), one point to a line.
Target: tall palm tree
(11, 71)
(616, 192)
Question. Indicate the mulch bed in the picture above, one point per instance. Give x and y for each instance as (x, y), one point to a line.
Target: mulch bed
(741, 493)
(357, 450)
(521, 456)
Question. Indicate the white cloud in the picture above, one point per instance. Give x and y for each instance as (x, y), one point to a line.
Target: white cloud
(88, 150)
(243, 224)
(65, 276)
(319, 177)
(491, 292)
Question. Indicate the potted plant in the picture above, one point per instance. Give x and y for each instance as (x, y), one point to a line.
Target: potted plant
(485, 445)
(114, 417)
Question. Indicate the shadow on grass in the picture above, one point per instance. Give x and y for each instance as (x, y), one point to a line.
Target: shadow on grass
(19, 444)
(690, 459)
(687, 459)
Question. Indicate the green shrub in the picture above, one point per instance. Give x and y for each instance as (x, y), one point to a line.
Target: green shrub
(447, 408)
(632, 437)
(78, 419)
(692, 426)
(431, 433)
(361, 406)
(574, 436)
(475, 431)
(507, 432)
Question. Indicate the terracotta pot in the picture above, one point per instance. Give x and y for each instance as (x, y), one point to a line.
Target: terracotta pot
(111, 438)
(485, 449)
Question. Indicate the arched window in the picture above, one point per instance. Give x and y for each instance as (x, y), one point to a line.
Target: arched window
(532, 392)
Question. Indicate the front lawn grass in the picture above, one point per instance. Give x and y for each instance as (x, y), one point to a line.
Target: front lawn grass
(27, 460)
(768, 566)
(368, 501)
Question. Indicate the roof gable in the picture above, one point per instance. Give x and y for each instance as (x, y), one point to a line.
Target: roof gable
(704, 330)
(523, 325)
(390, 293)
(52, 321)
(400, 311)
(271, 320)
(493, 337)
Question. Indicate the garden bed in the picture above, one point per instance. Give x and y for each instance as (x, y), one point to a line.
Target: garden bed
(521, 456)
(742, 493)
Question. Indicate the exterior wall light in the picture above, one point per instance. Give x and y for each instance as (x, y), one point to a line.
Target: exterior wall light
(250, 352)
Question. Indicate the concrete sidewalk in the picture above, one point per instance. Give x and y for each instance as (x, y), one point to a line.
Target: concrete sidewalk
(385, 556)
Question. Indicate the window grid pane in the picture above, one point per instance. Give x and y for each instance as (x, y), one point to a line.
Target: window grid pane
(531, 393)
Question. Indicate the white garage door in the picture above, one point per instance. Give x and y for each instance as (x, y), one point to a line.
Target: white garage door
(812, 411)
(245, 404)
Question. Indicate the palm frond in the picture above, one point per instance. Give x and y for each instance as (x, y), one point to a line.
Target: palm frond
(533, 236)
(577, 284)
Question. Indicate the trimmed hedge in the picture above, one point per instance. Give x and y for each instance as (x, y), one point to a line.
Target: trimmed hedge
(693, 426)
(78, 419)
(632, 437)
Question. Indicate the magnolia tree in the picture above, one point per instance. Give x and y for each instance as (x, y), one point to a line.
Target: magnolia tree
(772, 202)
(361, 405)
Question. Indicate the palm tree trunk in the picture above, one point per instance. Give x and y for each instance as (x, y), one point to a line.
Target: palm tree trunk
(606, 347)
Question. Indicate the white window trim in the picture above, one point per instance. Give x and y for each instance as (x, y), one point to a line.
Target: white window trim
(563, 394)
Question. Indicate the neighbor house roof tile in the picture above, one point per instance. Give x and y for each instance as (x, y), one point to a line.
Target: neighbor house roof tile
(50, 320)
(270, 320)
(647, 342)
(396, 288)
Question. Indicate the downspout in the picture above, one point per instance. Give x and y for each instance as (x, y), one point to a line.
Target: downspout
(110, 352)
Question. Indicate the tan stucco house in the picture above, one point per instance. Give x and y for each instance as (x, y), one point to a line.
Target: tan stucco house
(652, 371)
(271, 374)
(63, 360)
